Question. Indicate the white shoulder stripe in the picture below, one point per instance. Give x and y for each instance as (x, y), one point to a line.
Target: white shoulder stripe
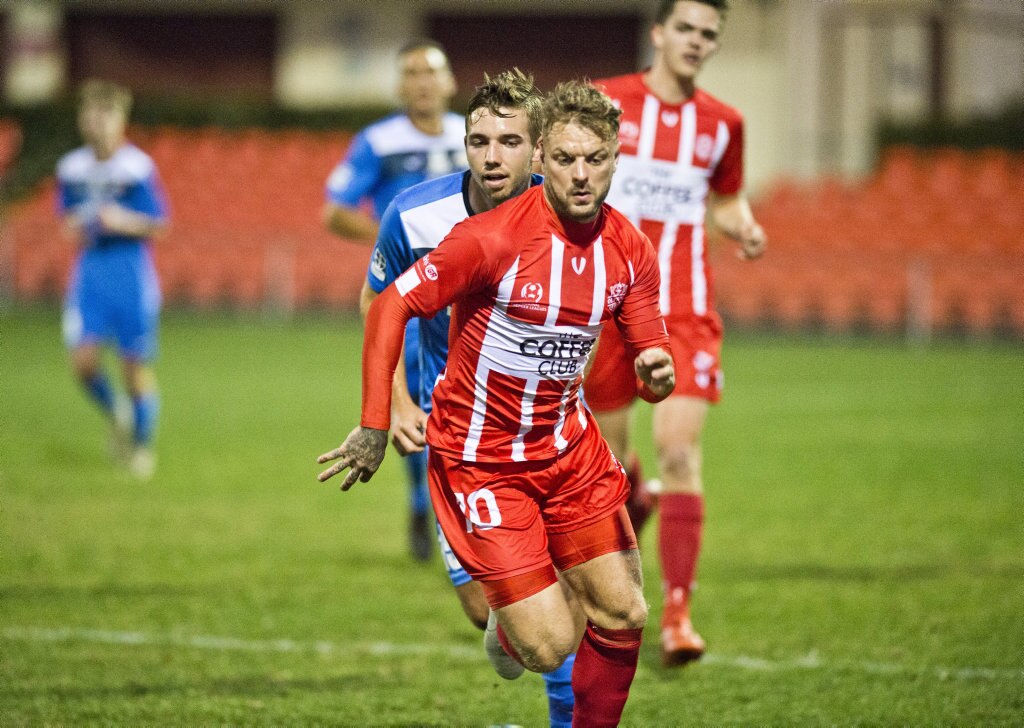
(688, 134)
(648, 127)
(721, 142)
(407, 281)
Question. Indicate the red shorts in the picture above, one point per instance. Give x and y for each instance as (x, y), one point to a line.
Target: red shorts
(512, 524)
(696, 344)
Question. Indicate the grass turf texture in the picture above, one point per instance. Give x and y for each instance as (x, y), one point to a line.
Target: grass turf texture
(863, 564)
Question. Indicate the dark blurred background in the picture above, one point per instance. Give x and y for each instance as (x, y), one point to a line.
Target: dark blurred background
(884, 141)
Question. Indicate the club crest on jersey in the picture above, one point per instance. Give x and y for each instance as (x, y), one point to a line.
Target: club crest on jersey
(669, 118)
(532, 291)
(629, 131)
(703, 147)
(615, 295)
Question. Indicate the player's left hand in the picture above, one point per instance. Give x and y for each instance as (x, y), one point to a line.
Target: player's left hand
(753, 241)
(362, 452)
(655, 369)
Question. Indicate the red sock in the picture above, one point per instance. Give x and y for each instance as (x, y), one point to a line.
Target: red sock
(682, 524)
(604, 670)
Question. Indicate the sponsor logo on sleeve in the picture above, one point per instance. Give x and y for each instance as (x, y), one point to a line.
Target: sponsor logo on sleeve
(378, 264)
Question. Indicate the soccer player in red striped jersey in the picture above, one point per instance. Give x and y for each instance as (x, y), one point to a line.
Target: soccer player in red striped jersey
(521, 480)
(681, 160)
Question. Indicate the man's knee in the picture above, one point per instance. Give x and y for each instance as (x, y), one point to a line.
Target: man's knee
(629, 614)
(541, 653)
(678, 459)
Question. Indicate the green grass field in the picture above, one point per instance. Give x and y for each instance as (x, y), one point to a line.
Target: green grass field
(863, 563)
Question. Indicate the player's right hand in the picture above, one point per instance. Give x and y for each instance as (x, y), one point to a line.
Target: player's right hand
(654, 367)
(362, 452)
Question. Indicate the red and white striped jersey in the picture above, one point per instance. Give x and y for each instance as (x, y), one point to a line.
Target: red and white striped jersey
(670, 156)
(529, 294)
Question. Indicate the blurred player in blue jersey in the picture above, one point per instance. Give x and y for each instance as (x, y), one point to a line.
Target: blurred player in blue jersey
(421, 142)
(501, 133)
(111, 202)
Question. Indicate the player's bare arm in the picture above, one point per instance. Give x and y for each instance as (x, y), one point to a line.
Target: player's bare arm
(408, 420)
(732, 215)
(350, 223)
(362, 452)
(120, 220)
(655, 369)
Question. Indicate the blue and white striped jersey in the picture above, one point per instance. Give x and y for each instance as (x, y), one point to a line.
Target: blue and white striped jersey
(391, 155)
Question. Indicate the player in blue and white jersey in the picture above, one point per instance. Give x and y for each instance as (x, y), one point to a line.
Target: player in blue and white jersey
(111, 202)
(502, 130)
(422, 142)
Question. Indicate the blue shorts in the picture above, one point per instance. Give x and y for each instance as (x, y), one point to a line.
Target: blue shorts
(114, 304)
(412, 358)
(456, 573)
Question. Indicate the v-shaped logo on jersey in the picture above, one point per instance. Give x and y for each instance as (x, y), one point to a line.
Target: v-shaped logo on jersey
(579, 264)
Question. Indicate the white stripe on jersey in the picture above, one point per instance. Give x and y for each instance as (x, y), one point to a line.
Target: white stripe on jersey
(525, 419)
(407, 281)
(688, 134)
(427, 225)
(699, 281)
(721, 142)
(560, 442)
(648, 127)
(476, 422)
(555, 281)
(600, 283)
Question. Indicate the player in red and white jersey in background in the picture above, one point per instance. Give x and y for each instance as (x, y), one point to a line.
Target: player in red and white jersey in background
(681, 161)
(521, 480)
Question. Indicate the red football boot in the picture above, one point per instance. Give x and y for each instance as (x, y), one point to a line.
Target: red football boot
(680, 643)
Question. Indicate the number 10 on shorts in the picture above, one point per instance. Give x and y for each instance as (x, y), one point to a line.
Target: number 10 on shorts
(470, 505)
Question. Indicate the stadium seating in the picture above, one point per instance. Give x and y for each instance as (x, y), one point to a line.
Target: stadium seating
(933, 240)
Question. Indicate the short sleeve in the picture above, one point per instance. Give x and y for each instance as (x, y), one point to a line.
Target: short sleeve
(727, 178)
(147, 196)
(356, 176)
(392, 254)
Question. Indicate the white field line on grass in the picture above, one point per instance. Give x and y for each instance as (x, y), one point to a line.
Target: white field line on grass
(811, 661)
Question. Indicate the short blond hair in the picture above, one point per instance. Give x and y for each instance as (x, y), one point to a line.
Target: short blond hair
(105, 93)
(581, 102)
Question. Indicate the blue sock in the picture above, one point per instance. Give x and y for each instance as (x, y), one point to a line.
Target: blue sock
(419, 500)
(98, 387)
(560, 701)
(145, 408)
